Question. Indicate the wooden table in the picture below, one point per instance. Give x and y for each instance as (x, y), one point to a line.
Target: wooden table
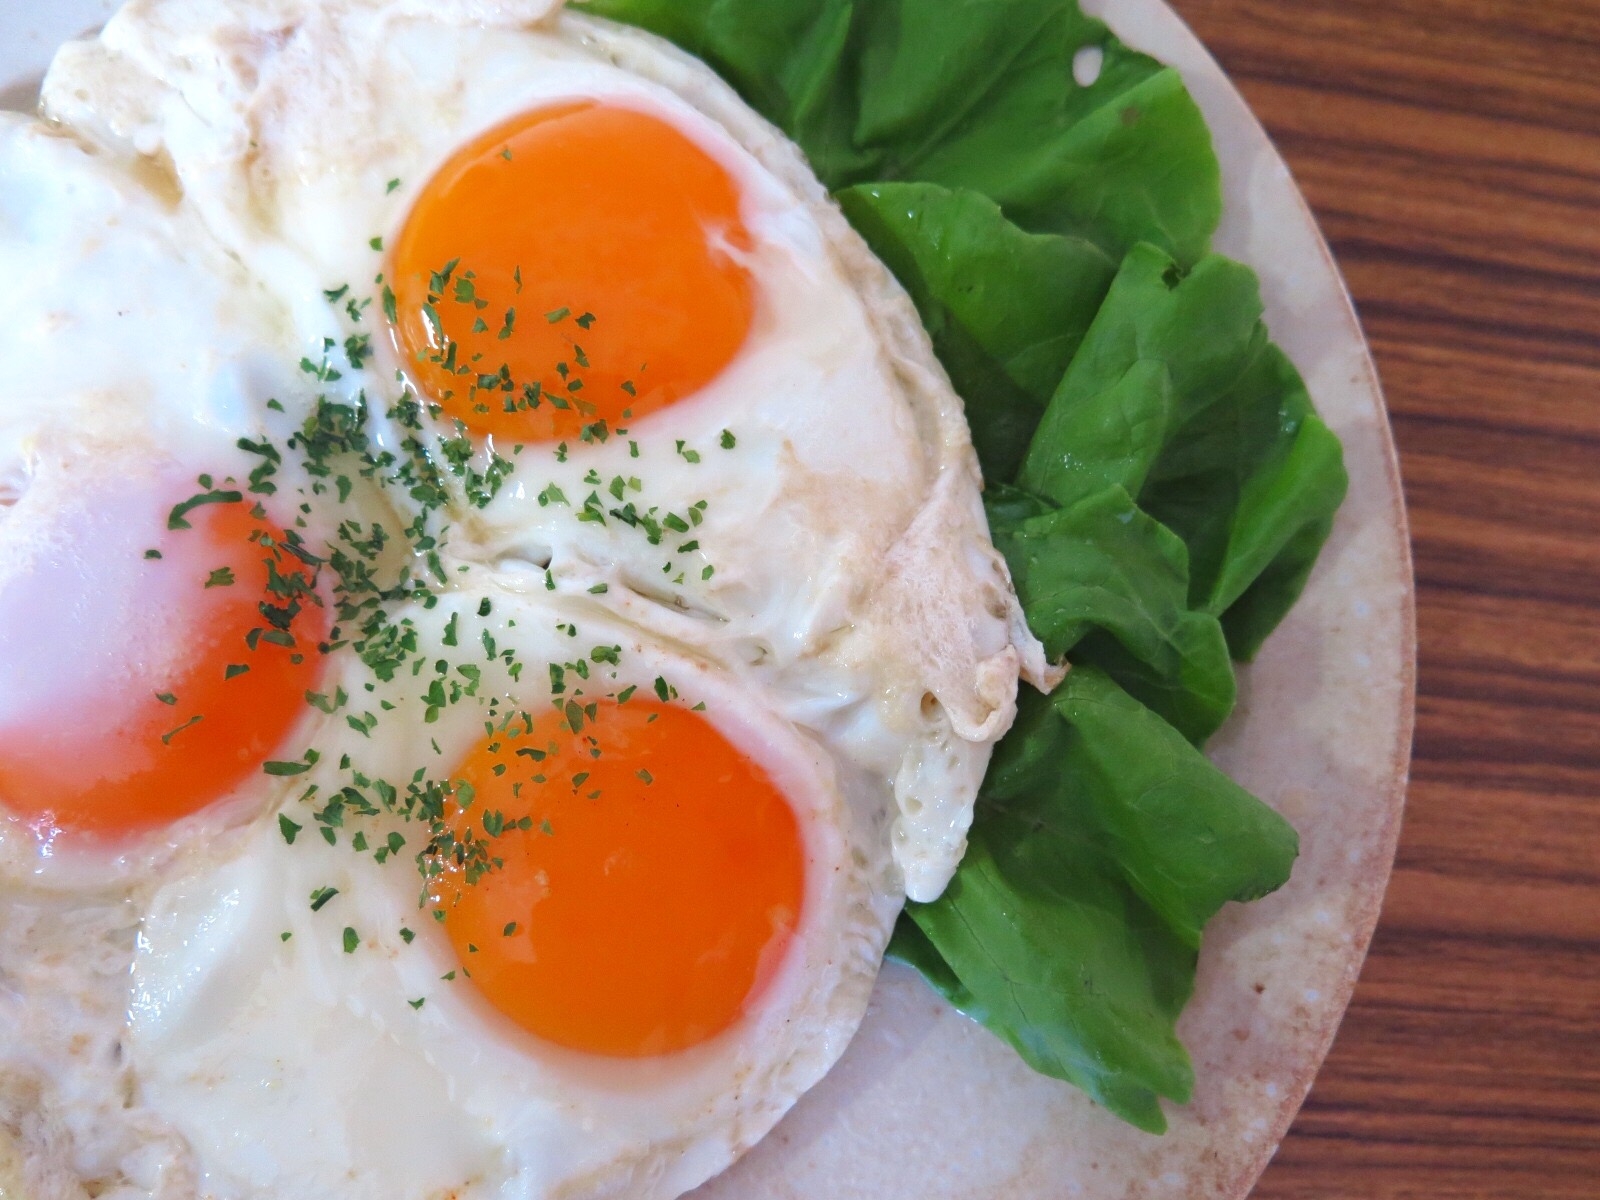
(1451, 150)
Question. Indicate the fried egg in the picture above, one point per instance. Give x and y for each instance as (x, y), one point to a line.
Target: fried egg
(132, 368)
(680, 941)
(637, 535)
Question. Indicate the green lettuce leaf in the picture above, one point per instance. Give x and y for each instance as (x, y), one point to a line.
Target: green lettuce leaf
(968, 95)
(1105, 842)
(1006, 309)
(1255, 507)
(1110, 583)
(1166, 386)
(1178, 396)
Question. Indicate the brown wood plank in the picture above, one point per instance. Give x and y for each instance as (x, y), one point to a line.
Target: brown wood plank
(1451, 149)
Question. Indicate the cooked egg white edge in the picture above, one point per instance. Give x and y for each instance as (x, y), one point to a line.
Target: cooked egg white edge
(64, 1081)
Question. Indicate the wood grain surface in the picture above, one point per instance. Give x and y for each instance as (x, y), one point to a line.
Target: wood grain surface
(1451, 150)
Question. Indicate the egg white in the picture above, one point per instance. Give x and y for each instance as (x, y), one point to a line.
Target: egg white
(64, 1079)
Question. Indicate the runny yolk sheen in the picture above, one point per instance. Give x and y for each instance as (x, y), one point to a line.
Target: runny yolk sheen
(164, 693)
(591, 250)
(651, 896)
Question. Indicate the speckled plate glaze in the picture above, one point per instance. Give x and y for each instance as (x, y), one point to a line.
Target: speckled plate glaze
(928, 1106)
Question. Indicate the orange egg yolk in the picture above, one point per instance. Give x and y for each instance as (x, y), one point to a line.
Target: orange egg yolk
(575, 264)
(209, 701)
(653, 893)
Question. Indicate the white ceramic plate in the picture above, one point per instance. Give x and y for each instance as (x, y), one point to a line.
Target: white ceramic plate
(928, 1106)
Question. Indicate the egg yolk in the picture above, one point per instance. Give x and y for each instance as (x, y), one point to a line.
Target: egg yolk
(652, 893)
(139, 735)
(576, 264)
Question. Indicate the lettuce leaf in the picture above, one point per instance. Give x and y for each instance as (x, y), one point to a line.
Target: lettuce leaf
(1006, 309)
(1104, 843)
(1157, 480)
(1110, 583)
(1178, 395)
(968, 95)
(1168, 387)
